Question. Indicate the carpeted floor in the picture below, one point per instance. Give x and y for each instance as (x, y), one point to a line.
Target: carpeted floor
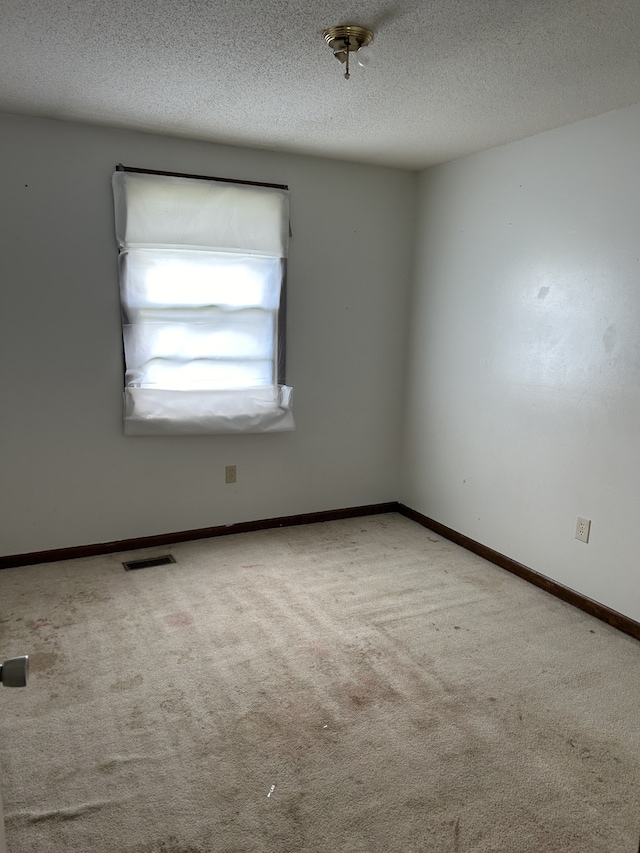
(348, 687)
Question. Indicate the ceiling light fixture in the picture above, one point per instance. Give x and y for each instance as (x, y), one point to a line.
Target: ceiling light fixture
(346, 40)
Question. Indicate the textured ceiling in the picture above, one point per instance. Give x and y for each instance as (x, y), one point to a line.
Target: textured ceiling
(446, 79)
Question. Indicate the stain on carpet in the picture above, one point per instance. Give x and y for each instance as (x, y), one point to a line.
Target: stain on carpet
(126, 684)
(170, 845)
(179, 620)
(43, 661)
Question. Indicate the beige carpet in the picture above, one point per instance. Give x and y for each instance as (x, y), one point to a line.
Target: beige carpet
(347, 687)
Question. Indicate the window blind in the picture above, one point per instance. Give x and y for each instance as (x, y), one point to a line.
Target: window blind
(202, 267)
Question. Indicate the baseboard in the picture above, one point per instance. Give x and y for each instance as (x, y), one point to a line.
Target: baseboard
(78, 551)
(582, 602)
(593, 608)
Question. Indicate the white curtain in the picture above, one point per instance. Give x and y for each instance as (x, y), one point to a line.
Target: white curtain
(201, 273)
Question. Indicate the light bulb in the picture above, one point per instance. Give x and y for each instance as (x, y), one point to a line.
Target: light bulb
(363, 58)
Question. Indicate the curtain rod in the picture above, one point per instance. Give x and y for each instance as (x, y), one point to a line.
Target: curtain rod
(121, 168)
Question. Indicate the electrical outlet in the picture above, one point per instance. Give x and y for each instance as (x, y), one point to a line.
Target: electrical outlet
(230, 474)
(582, 529)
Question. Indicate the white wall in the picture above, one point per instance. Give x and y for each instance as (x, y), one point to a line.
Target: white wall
(69, 476)
(523, 403)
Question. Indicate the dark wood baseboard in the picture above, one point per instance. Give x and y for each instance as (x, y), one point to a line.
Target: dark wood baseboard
(593, 608)
(600, 611)
(163, 539)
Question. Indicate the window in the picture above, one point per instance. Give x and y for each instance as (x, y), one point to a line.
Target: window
(202, 272)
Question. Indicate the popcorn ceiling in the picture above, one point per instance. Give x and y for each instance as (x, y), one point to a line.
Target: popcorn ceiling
(445, 80)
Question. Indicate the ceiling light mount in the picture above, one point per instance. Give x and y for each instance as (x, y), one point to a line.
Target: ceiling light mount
(346, 40)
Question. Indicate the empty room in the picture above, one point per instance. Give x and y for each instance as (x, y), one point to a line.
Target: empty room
(320, 427)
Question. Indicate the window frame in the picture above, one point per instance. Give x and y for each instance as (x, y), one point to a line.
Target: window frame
(280, 347)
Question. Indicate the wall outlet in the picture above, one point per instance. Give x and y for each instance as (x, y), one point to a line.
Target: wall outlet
(230, 474)
(582, 529)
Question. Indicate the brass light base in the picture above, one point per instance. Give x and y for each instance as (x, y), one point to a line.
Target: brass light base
(345, 40)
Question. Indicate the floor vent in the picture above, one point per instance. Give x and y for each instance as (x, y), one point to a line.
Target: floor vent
(148, 563)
